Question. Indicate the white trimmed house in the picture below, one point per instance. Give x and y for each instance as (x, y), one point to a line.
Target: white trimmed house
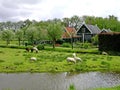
(84, 33)
(87, 31)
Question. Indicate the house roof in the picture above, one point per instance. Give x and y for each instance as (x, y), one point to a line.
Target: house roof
(94, 29)
(68, 32)
(105, 30)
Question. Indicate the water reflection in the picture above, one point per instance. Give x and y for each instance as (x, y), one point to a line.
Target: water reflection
(57, 81)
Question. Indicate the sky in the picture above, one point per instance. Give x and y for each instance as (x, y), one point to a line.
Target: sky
(16, 10)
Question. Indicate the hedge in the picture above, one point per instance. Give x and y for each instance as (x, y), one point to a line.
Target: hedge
(109, 41)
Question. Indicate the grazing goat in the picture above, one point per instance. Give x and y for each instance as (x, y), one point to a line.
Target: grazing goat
(70, 59)
(33, 59)
(76, 58)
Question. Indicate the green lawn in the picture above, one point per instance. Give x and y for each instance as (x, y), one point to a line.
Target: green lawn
(17, 60)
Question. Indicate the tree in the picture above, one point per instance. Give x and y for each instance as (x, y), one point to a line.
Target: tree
(42, 34)
(54, 32)
(19, 35)
(7, 35)
(76, 21)
(31, 34)
(25, 25)
(67, 22)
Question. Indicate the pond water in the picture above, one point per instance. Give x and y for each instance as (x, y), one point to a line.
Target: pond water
(57, 81)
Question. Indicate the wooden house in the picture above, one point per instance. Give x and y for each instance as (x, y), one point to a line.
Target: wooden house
(105, 30)
(70, 34)
(86, 31)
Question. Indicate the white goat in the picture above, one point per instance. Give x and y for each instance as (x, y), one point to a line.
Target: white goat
(70, 59)
(76, 58)
(33, 59)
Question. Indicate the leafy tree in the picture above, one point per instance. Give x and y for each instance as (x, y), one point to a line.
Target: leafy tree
(31, 34)
(42, 34)
(19, 36)
(75, 21)
(111, 22)
(25, 25)
(7, 35)
(67, 22)
(54, 32)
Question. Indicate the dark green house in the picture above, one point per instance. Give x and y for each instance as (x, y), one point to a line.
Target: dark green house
(86, 31)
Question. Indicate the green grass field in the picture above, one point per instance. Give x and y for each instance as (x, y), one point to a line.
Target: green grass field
(17, 60)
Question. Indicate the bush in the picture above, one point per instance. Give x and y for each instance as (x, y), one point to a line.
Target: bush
(40, 47)
(95, 40)
(109, 42)
(85, 45)
(72, 87)
(66, 45)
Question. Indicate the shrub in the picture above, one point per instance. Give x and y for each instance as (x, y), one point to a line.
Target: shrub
(72, 87)
(109, 42)
(40, 47)
(95, 40)
(85, 45)
(66, 45)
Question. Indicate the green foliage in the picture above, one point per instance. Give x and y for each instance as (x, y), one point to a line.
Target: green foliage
(85, 45)
(31, 33)
(40, 47)
(111, 88)
(54, 32)
(7, 35)
(72, 87)
(19, 35)
(95, 40)
(111, 22)
(66, 45)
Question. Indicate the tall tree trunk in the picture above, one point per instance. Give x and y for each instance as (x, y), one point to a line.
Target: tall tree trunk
(53, 44)
(19, 42)
(8, 42)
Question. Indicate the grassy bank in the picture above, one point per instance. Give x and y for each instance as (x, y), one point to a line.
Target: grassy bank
(112, 88)
(17, 60)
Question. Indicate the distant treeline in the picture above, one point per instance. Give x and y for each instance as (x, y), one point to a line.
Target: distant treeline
(111, 22)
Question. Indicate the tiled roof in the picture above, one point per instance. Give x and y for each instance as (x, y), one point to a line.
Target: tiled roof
(70, 29)
(94, 29)
(105, 30)
(68, 32)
